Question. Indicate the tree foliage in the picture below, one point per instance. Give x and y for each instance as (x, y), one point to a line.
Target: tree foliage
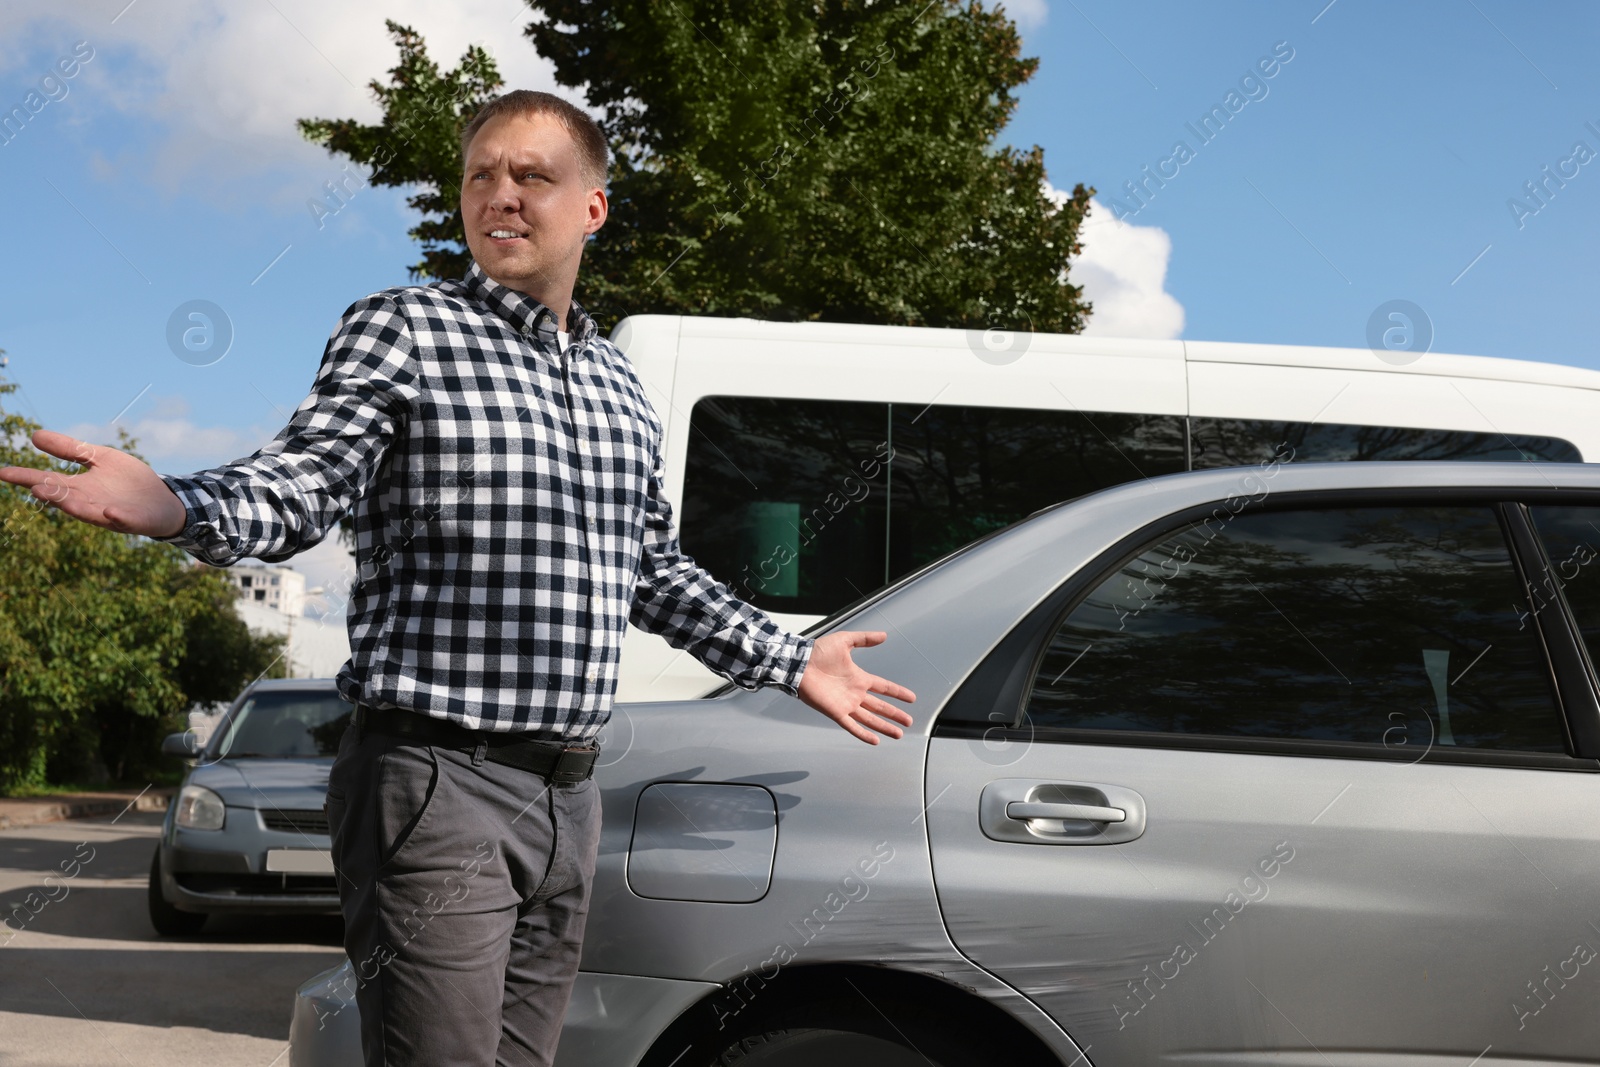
(834, 160)
(104, 638)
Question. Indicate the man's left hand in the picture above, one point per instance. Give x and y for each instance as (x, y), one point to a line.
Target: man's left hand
(835, 686)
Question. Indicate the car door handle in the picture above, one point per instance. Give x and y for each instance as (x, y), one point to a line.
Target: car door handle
(1043, 811)
(1019, 809)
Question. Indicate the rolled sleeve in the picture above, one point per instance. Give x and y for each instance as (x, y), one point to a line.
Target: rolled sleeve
(787, 664)
(199, 535)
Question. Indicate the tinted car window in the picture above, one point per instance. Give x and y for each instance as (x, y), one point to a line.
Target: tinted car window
(283, 724)
(1372, 624)
(1572, 542)
(1240, 442)
(806, 505)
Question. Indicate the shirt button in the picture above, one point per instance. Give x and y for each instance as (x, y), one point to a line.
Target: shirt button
(594, 673)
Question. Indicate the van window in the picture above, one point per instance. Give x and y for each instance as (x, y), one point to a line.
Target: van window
(1242, 442)
(797, 507)
(785, 501)
(962, 471)
(794, 505)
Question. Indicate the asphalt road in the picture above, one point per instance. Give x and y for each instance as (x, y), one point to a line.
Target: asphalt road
(88, 983)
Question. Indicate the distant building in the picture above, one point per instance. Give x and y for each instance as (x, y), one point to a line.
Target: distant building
(274, 600)
(281, 589)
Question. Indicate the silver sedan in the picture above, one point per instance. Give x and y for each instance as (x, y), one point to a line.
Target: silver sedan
(1287, 764)
(246, 833)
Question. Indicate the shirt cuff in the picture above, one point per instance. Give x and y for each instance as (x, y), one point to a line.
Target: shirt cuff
(199, 536)
(786, 664)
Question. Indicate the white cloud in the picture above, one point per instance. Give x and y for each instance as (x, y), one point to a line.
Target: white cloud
(170, 441)
(1123, 271)
(1028, 14)
(229, 80)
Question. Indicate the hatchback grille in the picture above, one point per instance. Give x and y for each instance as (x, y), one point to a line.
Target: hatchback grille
(296, 822)
(259, 885)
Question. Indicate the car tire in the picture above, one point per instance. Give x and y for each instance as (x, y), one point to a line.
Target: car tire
(856, 1033)
(169, 921)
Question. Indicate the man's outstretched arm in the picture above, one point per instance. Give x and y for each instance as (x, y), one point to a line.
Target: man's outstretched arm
(285, 497)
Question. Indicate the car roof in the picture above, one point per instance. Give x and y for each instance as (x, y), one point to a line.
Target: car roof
(292, 683)
(1197, 487)
(1133, 504)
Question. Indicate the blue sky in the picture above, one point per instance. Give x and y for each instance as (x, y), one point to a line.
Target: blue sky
(1375, 164)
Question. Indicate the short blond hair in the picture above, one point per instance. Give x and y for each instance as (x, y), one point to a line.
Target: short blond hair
(590, 140)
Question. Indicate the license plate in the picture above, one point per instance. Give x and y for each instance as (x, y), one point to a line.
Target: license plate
(299, 861)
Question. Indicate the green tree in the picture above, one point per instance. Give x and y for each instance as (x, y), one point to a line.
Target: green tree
(834, 160)
(104, 638)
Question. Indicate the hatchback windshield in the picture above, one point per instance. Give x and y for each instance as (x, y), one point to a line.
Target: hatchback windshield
(283, 724)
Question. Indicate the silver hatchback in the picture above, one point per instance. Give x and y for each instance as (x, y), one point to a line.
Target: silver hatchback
(1291, 764)
(246, 832)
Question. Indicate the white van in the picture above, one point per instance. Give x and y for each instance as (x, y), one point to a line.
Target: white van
(810, 463)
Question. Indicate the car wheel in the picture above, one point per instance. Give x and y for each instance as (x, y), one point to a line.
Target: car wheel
(169, 921)
(853, 1033)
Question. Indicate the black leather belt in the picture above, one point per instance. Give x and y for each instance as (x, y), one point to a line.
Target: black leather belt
(561, 763)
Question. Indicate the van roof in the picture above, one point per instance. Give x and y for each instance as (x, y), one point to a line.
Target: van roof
(1363, 359)
(1347, 359)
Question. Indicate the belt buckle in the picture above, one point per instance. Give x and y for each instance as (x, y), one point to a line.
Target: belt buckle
(566, 772)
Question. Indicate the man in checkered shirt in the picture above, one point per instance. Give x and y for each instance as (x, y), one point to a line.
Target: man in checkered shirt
(505, 470)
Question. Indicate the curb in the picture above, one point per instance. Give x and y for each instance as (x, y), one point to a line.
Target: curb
(17, 812)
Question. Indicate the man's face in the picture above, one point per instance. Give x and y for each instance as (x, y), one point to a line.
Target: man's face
(526, 207)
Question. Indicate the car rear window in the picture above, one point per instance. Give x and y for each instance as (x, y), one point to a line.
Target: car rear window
(1391, 625)
(1571, 536)
(283, 724)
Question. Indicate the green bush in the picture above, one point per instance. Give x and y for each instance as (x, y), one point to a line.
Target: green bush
(105, 639)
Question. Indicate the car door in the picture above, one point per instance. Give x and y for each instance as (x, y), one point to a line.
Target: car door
(1290, 783)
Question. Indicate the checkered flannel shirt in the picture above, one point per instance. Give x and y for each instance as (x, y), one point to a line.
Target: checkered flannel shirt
(509, 515)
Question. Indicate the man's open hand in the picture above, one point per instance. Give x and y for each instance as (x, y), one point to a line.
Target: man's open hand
(114, 490)
(845, 693)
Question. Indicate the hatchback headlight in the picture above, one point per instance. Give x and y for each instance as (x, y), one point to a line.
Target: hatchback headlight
(199, 809)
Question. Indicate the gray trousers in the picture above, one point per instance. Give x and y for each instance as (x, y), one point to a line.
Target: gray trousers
(464, 888)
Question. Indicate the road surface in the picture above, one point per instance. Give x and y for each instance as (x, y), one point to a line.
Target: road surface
(86, 982)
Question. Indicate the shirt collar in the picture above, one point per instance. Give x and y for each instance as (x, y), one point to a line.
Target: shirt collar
(527, 316)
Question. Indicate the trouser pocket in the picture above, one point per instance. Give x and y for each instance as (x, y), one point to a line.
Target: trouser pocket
(408, 781)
